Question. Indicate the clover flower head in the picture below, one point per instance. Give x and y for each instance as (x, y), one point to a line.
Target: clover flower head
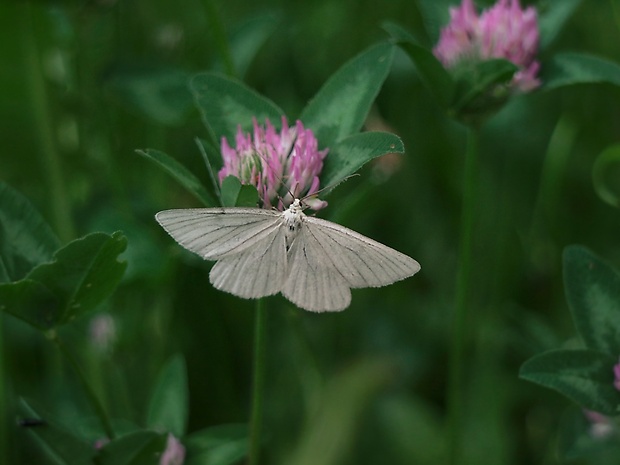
(281, 165)
(503, 31)
(617, 376)
(174, 454)
(601, 426)
(103, 332)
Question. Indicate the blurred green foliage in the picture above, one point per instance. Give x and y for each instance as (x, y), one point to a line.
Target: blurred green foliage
(72, 117)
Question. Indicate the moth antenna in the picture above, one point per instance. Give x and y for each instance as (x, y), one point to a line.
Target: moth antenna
(292, 147)
(330, 187)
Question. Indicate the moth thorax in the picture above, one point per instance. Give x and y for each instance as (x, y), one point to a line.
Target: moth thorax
(292, 217)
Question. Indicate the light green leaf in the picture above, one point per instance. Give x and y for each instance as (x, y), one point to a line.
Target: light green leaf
(593, 293)
(218, 445)
(169, 406)
(226, 103)
(26, 240)
(350, 154)
(161, 94)
(432, 73)
(235, 194)
(212, 157)
(179, 172)
(584, 376)
(606, 175)
(566, 69)
(81, 275)
(58, 443)
(340, 107)
(138, 448)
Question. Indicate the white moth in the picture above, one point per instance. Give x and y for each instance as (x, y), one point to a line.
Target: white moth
(313, 262)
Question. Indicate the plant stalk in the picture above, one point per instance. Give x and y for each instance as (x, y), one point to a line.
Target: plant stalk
(258, 381)
(457, 370)
(51, 159)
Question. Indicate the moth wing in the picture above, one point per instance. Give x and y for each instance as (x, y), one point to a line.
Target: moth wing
(357, 259)
(256, 271)
(312, 284)
(215, 233)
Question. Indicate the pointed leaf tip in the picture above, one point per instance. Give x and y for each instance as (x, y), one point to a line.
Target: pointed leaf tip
(81, 275)
(340, 107)
(584, 376)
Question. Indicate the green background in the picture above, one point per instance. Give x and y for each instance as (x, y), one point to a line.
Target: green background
(364, 386)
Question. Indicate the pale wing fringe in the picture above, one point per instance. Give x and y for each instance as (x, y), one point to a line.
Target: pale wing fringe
(311, 284)
(214, 233)
(361, 261)
(256, 272)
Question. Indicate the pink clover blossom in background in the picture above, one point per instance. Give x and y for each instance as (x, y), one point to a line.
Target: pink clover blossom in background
(278, 164)
(174, 454)
(102, 331)
(601, 426)
(502, 31)
(617, 376)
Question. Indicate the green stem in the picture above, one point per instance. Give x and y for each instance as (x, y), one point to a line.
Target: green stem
(51, 163)
(459, 328)
(4, 402)
(90, 393)
(258, 382)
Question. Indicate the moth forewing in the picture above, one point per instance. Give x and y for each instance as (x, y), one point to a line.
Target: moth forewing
(215, 233)
(362, 261)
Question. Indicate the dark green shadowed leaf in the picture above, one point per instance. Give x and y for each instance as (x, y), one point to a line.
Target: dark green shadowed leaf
(161, 94)
(593, 292)
(480, 86)
(219, 445)
(435, 15)
(552, 17)
(584, 376)
(59, 444)
(340, 107)
(248, 37)
(184, 176)
(606, 175)
(235, 194)
(26, 240)
(566, 69)
(432, 73)
(169, 405)
(350, 154)
(139, 448)
(81, 276)
(226, 103)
